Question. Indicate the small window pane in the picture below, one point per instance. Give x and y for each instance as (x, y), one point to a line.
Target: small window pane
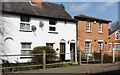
(25, 18)
(24, 26)
(52, 21)
(52, 28)
(100, 46)
(110, 47)
(26, 47)
(87, 25)
(87, 47)
(23, 46)
(118, 36)
(118, 46)
(25, 52)
(100, 27)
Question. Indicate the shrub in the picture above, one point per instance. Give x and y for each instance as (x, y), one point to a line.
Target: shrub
(6, 63)
(107, 58)
(37, 59)
(97, 56)
(83, 56)
(117, 59)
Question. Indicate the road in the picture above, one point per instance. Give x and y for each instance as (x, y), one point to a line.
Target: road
(90, 68)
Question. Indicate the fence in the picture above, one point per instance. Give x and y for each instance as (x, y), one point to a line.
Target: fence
(13, 67)
(8, 67)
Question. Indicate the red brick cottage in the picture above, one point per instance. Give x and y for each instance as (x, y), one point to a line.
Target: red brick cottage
(92, 34)
(114, 42)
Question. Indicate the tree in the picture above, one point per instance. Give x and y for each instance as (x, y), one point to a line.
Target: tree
(115, 26)
(37, 59)
(3, 23)
(3, 31)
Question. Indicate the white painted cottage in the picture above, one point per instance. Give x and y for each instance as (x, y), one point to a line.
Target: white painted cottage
(32, 24)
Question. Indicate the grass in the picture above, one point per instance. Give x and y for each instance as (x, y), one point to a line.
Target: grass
(28, 67)
(61, 65)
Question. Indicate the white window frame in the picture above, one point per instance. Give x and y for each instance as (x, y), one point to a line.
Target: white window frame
(25, 22)
(100, 27)
(101, 45)
(88, 25)
(25, 29)
(117, 35)
(52, 25)
(25, 49)
(115, 45)
(110, 47)
(88, 51)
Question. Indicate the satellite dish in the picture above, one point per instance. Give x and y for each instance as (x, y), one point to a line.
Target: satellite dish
(41, 25)
(34, 28)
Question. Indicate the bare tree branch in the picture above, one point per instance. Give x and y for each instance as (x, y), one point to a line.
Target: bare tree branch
(3, 22)
(115, 26)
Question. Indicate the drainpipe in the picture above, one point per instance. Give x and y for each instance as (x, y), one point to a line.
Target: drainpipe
(113, 54)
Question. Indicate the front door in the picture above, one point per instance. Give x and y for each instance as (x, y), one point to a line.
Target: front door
(72, 50)
(62, 51)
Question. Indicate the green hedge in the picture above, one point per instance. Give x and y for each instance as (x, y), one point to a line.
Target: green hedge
(107, 58)
(39, 58)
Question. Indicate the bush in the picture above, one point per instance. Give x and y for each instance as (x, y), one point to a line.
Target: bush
(117, 59)
(6, 63)
(97, 56)
(83, 56)
(107, 58)
(37, 59)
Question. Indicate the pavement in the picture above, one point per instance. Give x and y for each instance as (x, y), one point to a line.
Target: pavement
(84, 68)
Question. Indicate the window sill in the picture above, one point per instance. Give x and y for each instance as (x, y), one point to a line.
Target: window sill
(88, 31)
(99, 51)
(25, 57)
(117, 50)
(100, 32)
(52, 32)
(25, 30)
(117, 39)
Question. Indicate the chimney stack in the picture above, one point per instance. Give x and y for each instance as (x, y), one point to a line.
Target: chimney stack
(37, 2)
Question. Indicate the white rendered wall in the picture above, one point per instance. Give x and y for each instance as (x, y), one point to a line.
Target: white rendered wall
(40, 37)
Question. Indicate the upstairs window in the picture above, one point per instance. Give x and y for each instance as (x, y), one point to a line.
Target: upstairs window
(24, 24)
(52, 21)
(25, 18)
(52, 28)
(100, 27)
(117, 36)
(52, 25)
(88, 26)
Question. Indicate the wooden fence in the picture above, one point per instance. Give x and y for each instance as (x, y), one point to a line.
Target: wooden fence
(43, 65)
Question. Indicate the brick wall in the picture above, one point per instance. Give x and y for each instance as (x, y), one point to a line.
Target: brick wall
(94, 36)
(113, 41)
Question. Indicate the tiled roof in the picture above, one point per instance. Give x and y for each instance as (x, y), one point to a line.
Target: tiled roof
(48, 9)
(85, 17)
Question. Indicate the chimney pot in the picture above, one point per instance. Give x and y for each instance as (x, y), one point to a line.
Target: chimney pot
(37, 2)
